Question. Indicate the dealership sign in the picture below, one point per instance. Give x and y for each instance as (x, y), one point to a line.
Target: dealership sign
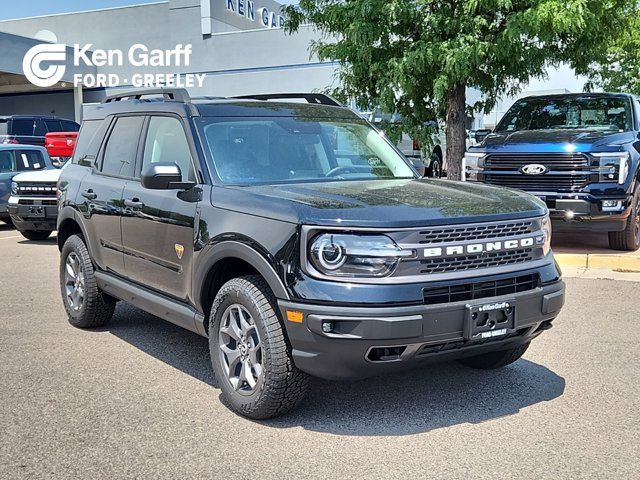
(45, 65)
(247, 9)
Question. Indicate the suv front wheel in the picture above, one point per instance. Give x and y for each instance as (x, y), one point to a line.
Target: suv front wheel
(86, 305)
(250, 354)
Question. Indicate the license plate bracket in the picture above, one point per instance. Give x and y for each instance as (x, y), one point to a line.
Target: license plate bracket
(37, 211)
(490, 320)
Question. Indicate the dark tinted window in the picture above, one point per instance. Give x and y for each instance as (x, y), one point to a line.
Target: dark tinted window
(88, 142)
(120, 151)
(572, 112)
(69, 126)
(53, 125)
(23, 126)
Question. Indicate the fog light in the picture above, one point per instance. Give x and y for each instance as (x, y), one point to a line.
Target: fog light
(611, 205)
(569, 215)
(327, 327)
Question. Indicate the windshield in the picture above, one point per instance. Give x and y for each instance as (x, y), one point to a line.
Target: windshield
(20, 160)
(575, 112)
(287, 149)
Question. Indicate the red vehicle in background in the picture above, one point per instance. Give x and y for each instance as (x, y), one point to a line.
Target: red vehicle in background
(60, 146)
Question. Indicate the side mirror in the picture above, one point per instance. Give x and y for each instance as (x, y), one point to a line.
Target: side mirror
(481, 134)
(163, 176)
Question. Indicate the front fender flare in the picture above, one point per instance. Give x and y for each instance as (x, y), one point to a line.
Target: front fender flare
(235, 249)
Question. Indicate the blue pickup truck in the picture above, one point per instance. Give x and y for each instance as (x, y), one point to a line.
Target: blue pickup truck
(579, 153)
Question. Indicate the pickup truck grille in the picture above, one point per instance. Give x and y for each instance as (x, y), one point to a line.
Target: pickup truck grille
(44, 189)
(566, 172)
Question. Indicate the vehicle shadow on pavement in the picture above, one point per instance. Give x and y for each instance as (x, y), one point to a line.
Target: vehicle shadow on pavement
(420, 400)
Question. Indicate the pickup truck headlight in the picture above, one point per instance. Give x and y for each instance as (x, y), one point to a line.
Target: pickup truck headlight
(613, 167)
(471, 163)
(14, 188)
(344, 255)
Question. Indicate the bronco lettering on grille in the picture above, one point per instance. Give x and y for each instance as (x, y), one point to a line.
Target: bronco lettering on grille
(475, 248)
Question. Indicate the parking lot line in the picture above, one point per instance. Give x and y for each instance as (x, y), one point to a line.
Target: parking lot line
(7, 238)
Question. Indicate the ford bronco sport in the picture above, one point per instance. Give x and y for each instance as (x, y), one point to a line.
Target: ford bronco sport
(298, 240)
(579, 153)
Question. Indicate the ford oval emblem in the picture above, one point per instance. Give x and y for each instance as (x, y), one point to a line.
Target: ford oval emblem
(534, 169)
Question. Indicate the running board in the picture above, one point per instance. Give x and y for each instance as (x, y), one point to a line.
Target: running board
(151, 302)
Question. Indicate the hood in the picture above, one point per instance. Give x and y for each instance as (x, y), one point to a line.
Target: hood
(50, 175)
(547, 141)
(380, 203)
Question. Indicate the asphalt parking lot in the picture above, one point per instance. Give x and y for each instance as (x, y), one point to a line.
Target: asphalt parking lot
(137, 399)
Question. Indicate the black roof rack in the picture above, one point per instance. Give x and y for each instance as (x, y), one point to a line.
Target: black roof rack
(319, 98)
(169, 94)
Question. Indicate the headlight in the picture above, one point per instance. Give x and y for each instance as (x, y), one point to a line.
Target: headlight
(613, 167)
(14, 188)
(471, 163)
(343, 255)
(546, 231)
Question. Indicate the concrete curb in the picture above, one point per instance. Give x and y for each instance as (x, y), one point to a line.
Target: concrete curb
(599, 261)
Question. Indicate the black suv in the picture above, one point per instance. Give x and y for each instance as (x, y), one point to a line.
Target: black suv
(31, 129)
(579, 153)
(299, 240)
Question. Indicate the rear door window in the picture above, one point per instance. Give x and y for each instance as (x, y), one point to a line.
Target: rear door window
(120, 152)
(53, 125)
(69, 126)
(24, 126)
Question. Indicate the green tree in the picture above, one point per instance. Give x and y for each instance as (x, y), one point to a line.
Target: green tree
(618, 69)
(417, 57)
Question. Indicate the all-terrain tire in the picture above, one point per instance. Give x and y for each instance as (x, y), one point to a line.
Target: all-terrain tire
(97, 307)
(35, 235)
(494, 360)
(282, 386)
(629, 238)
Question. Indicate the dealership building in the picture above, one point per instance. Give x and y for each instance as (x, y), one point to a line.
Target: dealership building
(237, 47)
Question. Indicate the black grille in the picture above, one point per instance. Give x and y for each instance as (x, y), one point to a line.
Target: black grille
(478, 290)
(553, 161)
(23, 201)
(471, 262)
(37, 189)
(476, 232)
(566, 172)
(547, 182)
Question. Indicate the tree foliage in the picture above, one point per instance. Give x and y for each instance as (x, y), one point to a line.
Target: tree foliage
(618, 69)
(416, 57)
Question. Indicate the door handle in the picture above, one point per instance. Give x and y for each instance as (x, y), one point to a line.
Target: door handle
(88, 194)
(133, 203)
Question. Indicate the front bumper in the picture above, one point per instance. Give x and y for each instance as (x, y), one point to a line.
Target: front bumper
(586, 211)
(411, 334)
(34, 217)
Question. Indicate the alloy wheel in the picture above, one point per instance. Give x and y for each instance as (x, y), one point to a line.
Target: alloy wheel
(74, 281)
(240, 349)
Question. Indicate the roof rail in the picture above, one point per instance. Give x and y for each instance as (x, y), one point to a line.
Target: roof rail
(169, 94)
(319, 98)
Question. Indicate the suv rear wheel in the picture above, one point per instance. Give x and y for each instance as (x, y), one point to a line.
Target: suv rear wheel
(86, 305)
(494, 360)
(435, 169)
(35, 235)
(250, 354)
(629, 238)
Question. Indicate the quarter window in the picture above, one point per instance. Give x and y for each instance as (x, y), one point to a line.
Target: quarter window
(167, 142)
(120, 152)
